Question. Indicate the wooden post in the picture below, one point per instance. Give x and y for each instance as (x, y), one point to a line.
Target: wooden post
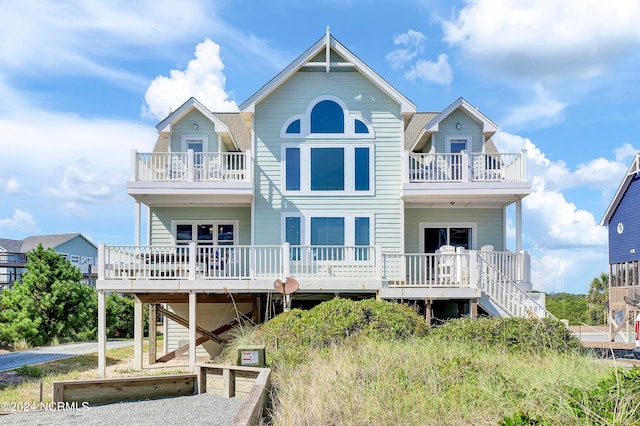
(102, 335)
(256, 310)
(192, 331)
(152, 334)
(427, 312)
(473, 312)
(228, 383)
(138, 333)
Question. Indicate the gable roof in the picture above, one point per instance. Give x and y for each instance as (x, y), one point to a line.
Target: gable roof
(52, 241)
(634, 169)
(488, 126)
(414, 129)
(225, 123)
(12, 246)
(327, 44)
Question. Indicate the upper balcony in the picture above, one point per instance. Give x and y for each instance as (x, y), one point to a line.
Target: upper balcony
(194, 178)
(471, 179)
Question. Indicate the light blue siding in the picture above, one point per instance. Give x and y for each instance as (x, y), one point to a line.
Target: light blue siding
(361, 97)
(78, 246)
(468, 127)
(489, 225)
(161, 218)
(184, 127)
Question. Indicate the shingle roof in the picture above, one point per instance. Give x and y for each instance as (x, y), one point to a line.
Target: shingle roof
(47, 241)
(415, 127)
(237, 128)
(12, 246)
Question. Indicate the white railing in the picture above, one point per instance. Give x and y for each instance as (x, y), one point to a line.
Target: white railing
(332, 261)
(236, 262)
(504, 292)
(190, 166)
(426, 270)
(467, 167)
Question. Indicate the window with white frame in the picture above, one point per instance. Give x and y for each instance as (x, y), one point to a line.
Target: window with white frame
(218, 233)
(328, 169)
(329, 233)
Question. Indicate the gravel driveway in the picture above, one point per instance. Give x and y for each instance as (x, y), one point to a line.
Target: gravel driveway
(192, 410)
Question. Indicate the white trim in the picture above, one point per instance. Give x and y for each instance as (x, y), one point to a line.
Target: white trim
(349, 168)
(349, 123)
(349, 226)
(214, 222)
(448, 225)
(204, 139)
(449, 138)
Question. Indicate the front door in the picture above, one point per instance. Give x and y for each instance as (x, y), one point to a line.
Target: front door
(436, 237)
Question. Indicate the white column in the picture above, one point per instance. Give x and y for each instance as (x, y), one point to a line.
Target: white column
(138, 333)
(136, 224)
(519, 226)
(192, 331)
(102, 335)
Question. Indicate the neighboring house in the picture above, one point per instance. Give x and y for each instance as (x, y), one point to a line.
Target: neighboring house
(330, 176)
(623, 221)
(76, 248)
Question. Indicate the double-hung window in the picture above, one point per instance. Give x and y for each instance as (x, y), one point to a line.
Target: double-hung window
(328, 169)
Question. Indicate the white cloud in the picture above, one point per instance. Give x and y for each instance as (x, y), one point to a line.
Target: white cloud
(203, 79)
(413, 41)
(599, 173)
(74, 38)
(79, 159)
(21, 220)
(541, 112)
(548, 271)
(12, 186)
(538, 39)
(439, 72)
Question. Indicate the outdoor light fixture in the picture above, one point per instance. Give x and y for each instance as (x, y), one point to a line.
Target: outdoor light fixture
(195, 126)
(458, 126)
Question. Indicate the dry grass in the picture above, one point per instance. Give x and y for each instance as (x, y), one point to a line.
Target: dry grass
(14, 387)
(421, 383)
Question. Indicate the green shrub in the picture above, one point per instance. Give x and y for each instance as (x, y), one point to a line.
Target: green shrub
(289, 335)
(516, 334)
(30, 371)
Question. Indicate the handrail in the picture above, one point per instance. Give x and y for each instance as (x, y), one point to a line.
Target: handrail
(190, 166)
(495, 277)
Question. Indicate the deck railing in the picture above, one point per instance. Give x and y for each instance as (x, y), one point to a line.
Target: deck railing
(467, 167)
(426, 270)
(190, 166)
(237, 262)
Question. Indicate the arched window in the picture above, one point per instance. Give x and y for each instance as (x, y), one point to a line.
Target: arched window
(327, 117)
(294, 127)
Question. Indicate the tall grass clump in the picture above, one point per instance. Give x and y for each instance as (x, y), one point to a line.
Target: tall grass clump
(371, 362)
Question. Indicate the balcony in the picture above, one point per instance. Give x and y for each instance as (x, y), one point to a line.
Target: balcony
(317, 268)
(487, 179)
(178, 178)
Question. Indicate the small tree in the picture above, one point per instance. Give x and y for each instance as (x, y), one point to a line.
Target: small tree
(598, 298)
(51, 302)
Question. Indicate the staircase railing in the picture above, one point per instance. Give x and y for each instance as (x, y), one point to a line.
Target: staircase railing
(506, 294)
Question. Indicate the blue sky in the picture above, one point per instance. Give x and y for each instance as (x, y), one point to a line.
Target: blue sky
(84, 82)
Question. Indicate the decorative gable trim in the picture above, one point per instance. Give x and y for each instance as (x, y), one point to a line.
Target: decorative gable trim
(634, 169)
(326, 44)
(192, 103)
(433, 126)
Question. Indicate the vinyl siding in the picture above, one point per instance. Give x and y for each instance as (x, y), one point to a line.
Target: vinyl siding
(468, 127)
(78, 246)
(489, 225)
(185, 127)
(621, 245)
(361, 98)
(161, 217)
